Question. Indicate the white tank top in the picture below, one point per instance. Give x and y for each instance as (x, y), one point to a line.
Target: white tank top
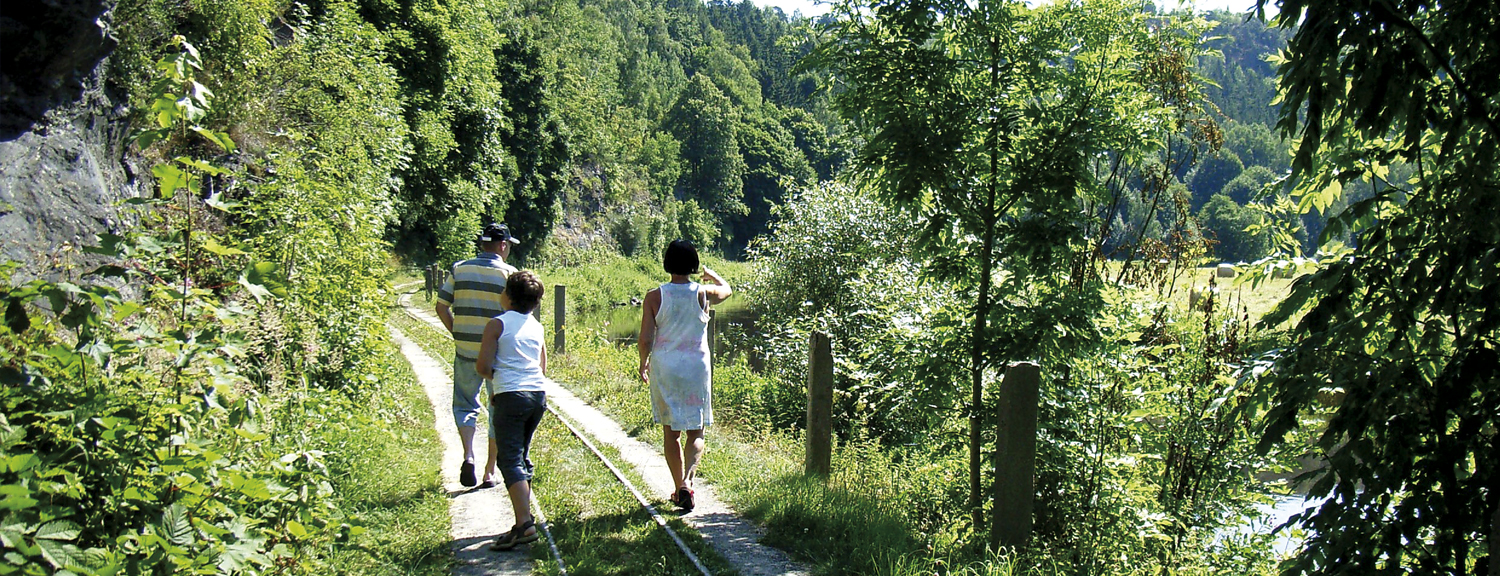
(518, 358)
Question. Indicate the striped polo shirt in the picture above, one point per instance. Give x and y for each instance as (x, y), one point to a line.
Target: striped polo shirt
(473, 295)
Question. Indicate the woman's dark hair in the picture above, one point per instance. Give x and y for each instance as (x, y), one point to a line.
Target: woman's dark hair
(525, 290)
(680, 258)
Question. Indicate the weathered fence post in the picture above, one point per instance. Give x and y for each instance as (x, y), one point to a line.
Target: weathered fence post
(819, 405)
(1495, 542)
(1015, 455)
(432, 281)
(713, 335)
(560, 318)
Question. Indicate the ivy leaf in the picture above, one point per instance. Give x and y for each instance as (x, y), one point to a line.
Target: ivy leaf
(126, 310)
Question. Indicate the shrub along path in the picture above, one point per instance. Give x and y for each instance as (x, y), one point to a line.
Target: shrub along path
(733, 537)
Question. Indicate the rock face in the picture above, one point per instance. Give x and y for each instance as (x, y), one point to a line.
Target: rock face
(62, 133)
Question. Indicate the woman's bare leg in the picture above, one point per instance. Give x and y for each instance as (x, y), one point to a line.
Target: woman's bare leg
(692, 451)
(673, 451)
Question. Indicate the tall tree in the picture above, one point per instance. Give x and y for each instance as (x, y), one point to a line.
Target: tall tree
(704, 121)
(979, 119)
(1405, 325)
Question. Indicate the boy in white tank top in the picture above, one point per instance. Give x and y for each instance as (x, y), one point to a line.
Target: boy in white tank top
(513, 357)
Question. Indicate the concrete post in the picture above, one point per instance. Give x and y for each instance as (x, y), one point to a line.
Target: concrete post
(819, 458)
(560, 318)
(1015, 455)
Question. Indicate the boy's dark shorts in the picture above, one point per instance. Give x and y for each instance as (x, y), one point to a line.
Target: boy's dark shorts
(516, 416)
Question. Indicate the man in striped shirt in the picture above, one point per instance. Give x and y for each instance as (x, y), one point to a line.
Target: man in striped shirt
(469, 298)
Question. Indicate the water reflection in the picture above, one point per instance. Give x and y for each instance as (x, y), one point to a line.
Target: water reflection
(732, 331)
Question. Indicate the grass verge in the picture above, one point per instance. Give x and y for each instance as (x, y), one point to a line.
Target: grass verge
(383, 459)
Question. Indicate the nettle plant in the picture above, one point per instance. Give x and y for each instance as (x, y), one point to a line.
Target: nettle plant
(124, 447)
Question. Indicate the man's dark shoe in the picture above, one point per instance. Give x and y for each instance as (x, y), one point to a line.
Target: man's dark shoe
(466, 475)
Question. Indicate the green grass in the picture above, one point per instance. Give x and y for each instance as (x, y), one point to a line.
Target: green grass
(599, 526)
(865, 519)
(384, 464)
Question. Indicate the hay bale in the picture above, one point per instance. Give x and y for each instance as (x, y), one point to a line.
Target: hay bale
(1226, 270)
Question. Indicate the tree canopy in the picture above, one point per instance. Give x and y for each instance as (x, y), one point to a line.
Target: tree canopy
(1404, 325)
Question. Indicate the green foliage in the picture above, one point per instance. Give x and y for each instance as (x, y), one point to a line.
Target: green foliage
(1402, 328)
(1248, 185)
(704, 121)
(1258, 146)
(186, 422)
(1233, 229)
(979, 121)
(1213, 174)
(1244, 84)
(838, 262)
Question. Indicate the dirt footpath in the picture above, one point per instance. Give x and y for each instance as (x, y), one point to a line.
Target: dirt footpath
(733, 537)
(477, 516)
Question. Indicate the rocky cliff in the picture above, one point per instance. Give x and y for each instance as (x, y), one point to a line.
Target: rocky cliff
(62, 132)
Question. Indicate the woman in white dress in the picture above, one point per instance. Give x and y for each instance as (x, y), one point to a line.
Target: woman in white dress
(673, 346)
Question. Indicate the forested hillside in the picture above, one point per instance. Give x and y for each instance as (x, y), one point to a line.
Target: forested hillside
(591, 117)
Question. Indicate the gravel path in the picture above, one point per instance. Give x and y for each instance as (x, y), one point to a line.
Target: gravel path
(733, 537)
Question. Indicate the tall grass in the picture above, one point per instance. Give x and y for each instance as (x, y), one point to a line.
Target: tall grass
(384, 460)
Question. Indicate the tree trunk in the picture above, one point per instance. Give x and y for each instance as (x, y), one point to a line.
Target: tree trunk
(982, 308)
(976, 380)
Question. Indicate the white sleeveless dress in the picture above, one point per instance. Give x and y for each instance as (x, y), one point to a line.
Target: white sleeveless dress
(681, 394)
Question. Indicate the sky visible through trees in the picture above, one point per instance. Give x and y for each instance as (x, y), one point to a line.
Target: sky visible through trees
(815, 8)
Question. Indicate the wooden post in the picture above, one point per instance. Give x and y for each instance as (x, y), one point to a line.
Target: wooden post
(432, 281)
(819, 459)
(713, 335)
(560, 318)
(1495, 540)
(1015, 455)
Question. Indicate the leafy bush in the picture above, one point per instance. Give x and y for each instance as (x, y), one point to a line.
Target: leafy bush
(836, 260)
(185, 426)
